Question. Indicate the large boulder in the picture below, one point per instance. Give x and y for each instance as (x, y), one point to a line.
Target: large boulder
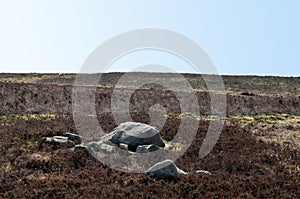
(134, 134)
(165, 170)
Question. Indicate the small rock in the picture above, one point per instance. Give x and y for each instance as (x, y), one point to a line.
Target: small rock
(165, 170)
(203, 171)
(74, 137)
(59, 141)
(80, 148)
(123, 146)
(104, 146)
(147, 148)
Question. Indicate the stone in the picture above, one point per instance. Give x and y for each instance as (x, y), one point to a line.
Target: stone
(165, 170)
(59, 141)
(134, 134)
(80, 148)
(74, 137)
(123, 146)
(147, 148)
(100, 146)
(203, 171)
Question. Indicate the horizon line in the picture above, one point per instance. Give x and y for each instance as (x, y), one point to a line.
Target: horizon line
(160, 72)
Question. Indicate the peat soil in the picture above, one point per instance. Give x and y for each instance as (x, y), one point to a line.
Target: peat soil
(242, 166)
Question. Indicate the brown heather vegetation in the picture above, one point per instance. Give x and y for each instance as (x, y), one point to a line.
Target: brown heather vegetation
(257, 155)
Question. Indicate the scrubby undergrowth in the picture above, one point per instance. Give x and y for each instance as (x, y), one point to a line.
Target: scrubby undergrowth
(241, 165)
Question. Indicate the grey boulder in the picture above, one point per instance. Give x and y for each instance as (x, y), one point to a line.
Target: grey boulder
(134, 134)
(165, 170)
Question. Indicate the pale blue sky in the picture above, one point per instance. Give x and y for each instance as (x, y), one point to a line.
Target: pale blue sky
(241, 37)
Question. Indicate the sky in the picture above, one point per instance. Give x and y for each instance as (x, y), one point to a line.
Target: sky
(250, 37)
